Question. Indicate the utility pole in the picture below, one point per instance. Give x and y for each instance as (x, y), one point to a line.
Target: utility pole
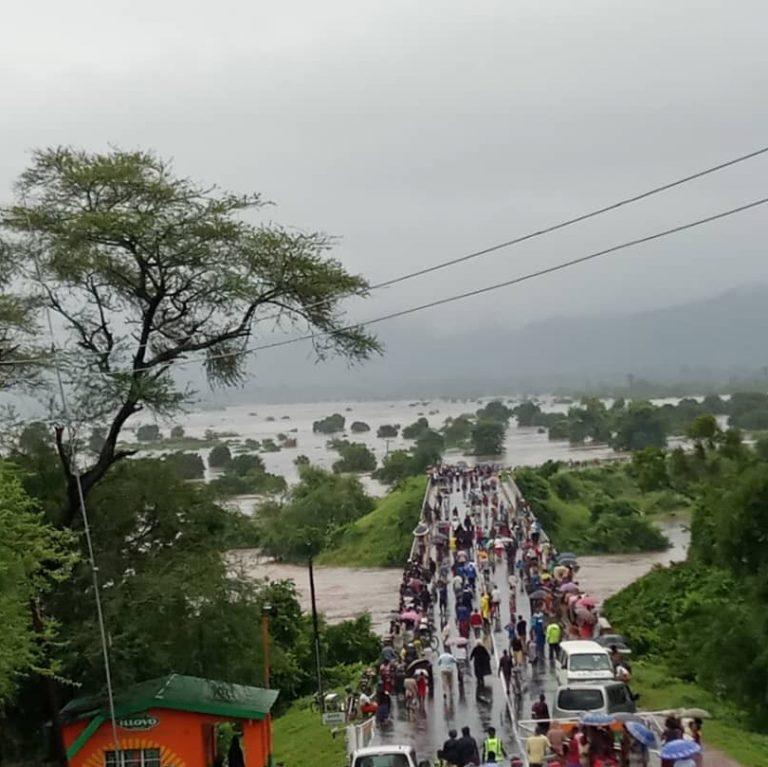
(266, 611)
(320, 701)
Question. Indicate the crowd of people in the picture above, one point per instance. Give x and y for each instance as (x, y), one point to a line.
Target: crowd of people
(453, 577)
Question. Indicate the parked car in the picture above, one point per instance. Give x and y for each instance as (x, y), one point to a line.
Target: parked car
(582, 661)
(599, 697)
(608, 640)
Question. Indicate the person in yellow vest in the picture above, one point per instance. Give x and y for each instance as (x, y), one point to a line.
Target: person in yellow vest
(493, 745)
(553, 634)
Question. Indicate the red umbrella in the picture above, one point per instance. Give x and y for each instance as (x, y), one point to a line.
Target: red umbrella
(587, 602)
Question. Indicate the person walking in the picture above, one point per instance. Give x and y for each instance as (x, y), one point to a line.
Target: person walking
(540, 712)
(517, 652)
(449, 753)
(466, 746)
(505, 667)
(447, 663)
(553, 634)
(493, 745)
(536, 748)
(522, 628)
(481, 660)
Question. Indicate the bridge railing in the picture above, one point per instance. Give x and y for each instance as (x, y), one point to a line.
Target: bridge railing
(422, 518)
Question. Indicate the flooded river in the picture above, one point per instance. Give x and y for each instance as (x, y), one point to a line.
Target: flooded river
(348, 592)
(344, 593)
(523, 446)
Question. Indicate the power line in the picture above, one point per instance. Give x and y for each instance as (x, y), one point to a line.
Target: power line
(485, 251)
(570, 221)
(489, 288)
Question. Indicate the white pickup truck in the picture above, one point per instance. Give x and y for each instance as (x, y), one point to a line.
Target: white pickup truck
(386, 756)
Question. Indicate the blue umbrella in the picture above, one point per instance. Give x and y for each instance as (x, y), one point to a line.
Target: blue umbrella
(680, 749)
(596, 719)
(641, 733)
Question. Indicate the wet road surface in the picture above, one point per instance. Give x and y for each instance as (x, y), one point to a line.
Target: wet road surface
(480, 706)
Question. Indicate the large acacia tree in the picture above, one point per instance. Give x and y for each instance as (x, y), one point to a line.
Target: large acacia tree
(143, 269)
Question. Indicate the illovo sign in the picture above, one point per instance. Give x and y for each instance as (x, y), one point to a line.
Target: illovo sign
(138, 722)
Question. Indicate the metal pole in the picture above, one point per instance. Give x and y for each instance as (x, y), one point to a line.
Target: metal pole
(321, 702)
(265, 613)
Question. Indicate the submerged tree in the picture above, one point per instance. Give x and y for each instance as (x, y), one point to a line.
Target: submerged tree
(144, 269)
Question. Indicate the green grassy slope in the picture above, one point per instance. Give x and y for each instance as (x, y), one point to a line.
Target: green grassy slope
(383, 537)
(300, 738)
(660, 689)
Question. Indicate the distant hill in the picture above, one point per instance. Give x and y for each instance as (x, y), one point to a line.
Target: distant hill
(706, 340)
(720, 334)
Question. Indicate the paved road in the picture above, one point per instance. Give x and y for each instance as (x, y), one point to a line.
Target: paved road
(479, 707)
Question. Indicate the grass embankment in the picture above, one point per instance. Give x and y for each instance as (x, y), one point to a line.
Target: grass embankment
(660, 689)
(383, 537)
(670, 618)
(300, 738)
(599, 509)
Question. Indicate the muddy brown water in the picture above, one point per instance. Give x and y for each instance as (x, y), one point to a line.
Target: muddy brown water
(348, 592)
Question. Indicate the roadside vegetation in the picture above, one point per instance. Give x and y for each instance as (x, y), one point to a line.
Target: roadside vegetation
(383, 537)
(601, 509)
(704, 620)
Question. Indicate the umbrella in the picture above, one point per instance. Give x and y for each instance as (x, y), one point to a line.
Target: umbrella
(625, 716)
(587, 602)
(538, 594)
(569, 587)
(642, 734)
(420, 672)
(567, 560)
(694, 713)
(388, 654)
(439, 538)
(421, 530)
(503, 541)
(680, 749)
(566, 555)
(595, 719)
(460, 641)
(416, 665)
(409, 615)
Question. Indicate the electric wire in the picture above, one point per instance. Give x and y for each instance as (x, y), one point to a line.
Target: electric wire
(485, 251)
(487, 288)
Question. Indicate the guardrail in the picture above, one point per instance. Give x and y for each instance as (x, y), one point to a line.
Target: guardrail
(424, 502)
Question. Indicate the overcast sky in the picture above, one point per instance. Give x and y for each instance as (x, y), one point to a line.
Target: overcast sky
(417, 131)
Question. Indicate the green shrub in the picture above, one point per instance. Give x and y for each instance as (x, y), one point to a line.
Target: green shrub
(219, 457)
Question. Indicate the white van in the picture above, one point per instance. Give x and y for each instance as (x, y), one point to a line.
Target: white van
(582, 661)
(598, 697)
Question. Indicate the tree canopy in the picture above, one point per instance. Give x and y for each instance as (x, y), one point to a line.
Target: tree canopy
(33, 558)
(143, 268)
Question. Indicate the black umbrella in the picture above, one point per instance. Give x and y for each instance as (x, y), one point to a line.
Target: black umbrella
(417, 664)
(538, 594)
